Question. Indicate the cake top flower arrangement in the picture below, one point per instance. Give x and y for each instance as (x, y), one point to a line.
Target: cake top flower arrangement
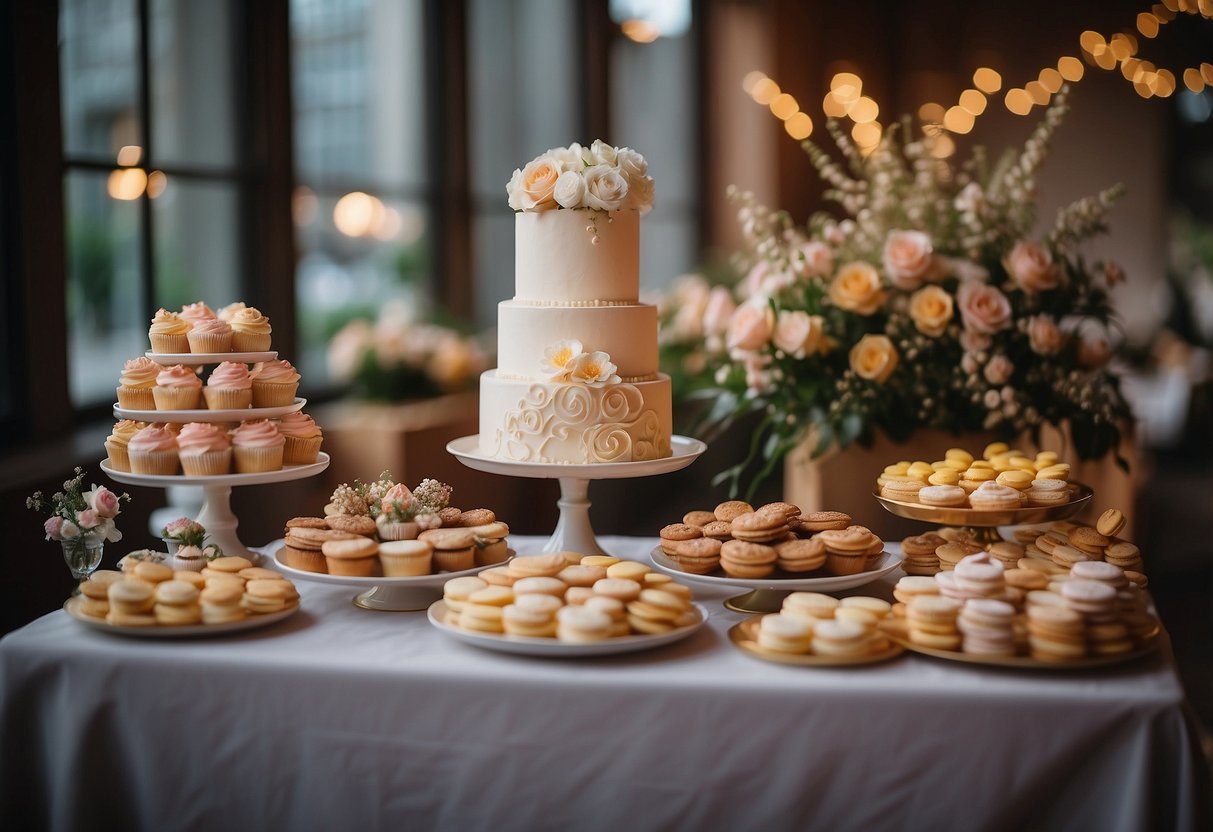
(599, 177)
(927, 305)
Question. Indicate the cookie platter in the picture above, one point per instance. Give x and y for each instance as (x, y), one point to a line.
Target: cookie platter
(744, 636)
(550, 647)
(251, 622)
(384, 593)
(767, 593)
(1150, 644)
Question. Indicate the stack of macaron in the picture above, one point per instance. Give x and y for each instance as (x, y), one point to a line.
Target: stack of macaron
(1005, 478)
(197, 328)
(358, 546)
(812, 623)
(777, 538)
(149, 593)
(570, 597)
(1067, 544)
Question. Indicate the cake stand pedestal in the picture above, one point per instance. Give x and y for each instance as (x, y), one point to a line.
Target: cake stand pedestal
(573, 532)
(217, 516)
(983, 525)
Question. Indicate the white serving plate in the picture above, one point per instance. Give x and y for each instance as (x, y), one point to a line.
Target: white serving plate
(684, 451)
(421, 581)
(252, 622)
(526, 646)
(831, 583)
(242, 414)
(289, 472)
(194, 358)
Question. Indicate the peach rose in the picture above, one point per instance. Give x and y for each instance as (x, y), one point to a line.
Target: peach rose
(793, 330)
(1031, 267)
(813, 259)
(983, 308)
(1044, 336)
(718, 310)
(874, 358)
(750, 327)
(857, 288)
(538, 183)
(907, 258)
(931, 310)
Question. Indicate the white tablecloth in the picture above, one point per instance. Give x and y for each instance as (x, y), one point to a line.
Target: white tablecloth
(342, 718)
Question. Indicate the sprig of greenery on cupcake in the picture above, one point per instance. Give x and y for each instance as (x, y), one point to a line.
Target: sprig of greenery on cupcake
(185, 531)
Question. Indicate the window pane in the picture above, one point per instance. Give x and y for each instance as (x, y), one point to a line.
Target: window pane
(362, 229)
(523, 99)
(358, 86)
(98, 49)
(193, 91)
(196, 243)
(105, 306)
(659, 77)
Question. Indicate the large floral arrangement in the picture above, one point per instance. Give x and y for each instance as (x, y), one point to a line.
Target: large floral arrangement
(928, 305)
(397, 357)
(75, 513)
(599, 177)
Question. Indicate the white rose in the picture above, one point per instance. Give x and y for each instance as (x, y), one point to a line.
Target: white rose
(630, 163)
(605, 189)
(603, 152)
(513, 189)
(570, 190)
(569, 157)
(640, 194)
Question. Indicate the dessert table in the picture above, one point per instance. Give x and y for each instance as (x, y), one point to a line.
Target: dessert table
(340, 717)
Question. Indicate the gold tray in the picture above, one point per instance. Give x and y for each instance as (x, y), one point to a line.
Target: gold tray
(899, 636)
(983, 518)
(744, 635)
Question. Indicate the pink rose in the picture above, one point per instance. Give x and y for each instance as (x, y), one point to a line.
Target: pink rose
(998, 370)
(1031, 267)
(718, 310)
(907, 258)
(756, 376)
(974, 341)
(794, 333)
(813, 259)
(755, 277)
(103, 501)
(750, 327)
(1044, 336)
(983, 308)
(398, 493)
(87, 519)
(52, 527)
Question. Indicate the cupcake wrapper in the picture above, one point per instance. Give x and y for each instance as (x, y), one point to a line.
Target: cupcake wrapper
(209, 341)
(407, 566)
(257, 460)
(454, 560)
(177, 398)
(845, 564)
(169, 343)
(249, 341)
(406, 530)
(160, 463)
(119, 459)
(207, 464)
(136, 398)
(220, 398)
(266, 394)
(298, 451)
(352, 567)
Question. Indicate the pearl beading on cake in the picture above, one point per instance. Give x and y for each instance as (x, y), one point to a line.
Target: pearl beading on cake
(575, 304)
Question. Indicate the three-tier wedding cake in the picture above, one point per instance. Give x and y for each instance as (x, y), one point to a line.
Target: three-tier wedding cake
(577, 378)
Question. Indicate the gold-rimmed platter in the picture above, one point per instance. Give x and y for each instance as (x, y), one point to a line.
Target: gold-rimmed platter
(744, 636)
(963, 516)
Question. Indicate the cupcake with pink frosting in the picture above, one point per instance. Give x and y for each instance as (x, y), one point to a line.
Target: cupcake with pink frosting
(210, 335)
(257, 447)
(167, 333)
(192, 313)
(205, 449)
(303, 437)
(136, 383)
(251, 331)
(274, 384)
(228, 312)
(153, 450)
(230, 387)
(177, 388)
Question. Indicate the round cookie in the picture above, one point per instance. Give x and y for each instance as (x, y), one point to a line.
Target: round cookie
(730, 509)
(476, 517)
(352, 524)
(800, 555)
(698, 518)
(741, 559)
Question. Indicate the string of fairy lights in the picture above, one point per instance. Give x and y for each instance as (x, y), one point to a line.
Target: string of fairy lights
(1118, 51)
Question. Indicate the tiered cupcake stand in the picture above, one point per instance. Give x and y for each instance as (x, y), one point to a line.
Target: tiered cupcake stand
(216, 515)
(573, 532)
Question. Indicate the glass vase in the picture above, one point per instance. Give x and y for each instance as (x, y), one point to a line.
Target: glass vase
(83, 554)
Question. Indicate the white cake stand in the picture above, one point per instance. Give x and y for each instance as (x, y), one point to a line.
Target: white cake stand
(217, 516)
(573, 532)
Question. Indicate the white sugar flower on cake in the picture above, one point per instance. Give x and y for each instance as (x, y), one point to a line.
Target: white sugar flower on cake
(593, 369)
(599, 177)
(558, 358)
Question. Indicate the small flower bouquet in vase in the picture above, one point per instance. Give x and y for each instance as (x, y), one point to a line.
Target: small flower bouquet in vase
(928, 306)
(81, 521)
